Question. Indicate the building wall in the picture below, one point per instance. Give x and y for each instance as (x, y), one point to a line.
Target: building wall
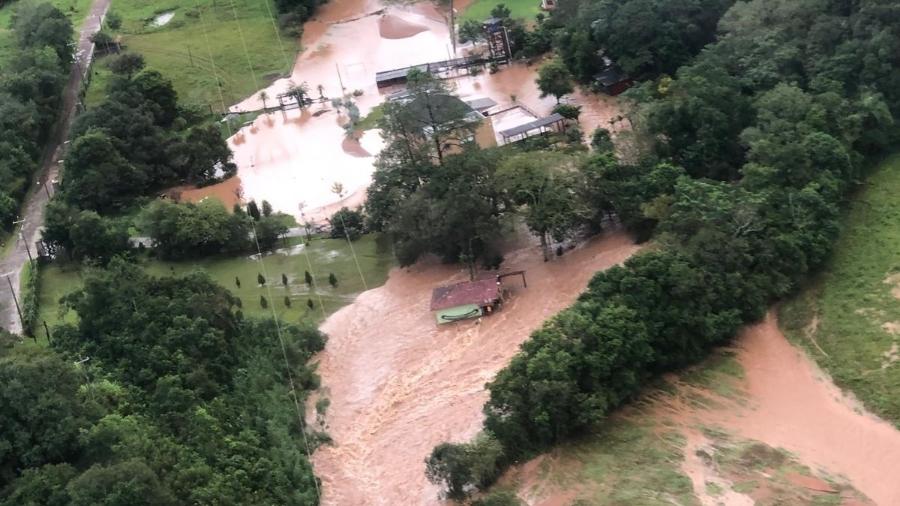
(484, 135)
(457, 312)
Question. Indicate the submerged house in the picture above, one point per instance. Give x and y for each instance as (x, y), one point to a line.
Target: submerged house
(455, 120)
(469, 299)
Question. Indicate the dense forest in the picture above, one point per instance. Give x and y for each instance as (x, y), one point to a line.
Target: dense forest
(770, 127)
(31, 85)
(160, 394)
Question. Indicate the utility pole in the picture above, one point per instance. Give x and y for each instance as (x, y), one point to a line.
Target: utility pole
(338, 68)
(22, 237)
(87, 379)
(16, 300)
(453, 27)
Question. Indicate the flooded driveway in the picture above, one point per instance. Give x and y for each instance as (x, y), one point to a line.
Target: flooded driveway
(398, 384)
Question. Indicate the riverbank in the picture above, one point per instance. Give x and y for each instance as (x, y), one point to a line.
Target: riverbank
(848, 318)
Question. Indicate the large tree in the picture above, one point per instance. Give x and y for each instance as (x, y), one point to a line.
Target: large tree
(547, 186)
(555, 79)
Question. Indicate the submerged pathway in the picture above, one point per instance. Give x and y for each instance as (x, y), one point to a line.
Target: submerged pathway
(36, 201)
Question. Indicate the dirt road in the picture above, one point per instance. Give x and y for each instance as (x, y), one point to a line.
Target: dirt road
(33, 209)
(399, 384)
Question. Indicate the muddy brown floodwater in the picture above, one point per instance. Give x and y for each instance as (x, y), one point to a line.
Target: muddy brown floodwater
(294, 158)
(399, 384)
(795, 406)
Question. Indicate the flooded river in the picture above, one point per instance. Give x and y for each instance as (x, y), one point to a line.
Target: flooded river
(399, 384)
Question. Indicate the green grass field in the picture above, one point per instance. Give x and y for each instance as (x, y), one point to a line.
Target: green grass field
(206, 40)
(479, 10)
(325, 255)
(848, 319)
(75, 10)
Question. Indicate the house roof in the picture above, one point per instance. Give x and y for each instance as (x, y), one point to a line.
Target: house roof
(438, 108)
(611, 76)
(481, 292)
(481, 104)
(531, 125)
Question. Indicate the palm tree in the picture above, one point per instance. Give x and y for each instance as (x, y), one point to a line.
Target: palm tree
(300, 92)
(264, 96)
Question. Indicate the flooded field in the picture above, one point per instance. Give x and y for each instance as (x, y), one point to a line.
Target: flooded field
(766, 427)
(398, 384)
(294, 158)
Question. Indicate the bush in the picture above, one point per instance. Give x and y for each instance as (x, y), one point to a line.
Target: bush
(498, 498)
(568, 111)
(347, 223)
(29, 285)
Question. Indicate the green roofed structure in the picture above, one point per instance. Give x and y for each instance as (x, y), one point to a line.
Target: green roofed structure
(469, 299)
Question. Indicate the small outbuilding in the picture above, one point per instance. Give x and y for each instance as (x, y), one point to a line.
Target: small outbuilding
(469, 299)
(613, 81)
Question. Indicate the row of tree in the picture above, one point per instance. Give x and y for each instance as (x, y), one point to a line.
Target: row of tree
(773, 124)
(162, 393)
(138, 141)
(32, 79)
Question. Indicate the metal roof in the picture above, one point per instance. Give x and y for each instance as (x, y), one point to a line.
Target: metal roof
(481, 104)
(538, 123)
(482, 292)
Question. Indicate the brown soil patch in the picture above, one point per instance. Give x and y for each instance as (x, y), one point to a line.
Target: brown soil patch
(811, 483)
(352, 147)
(894, 279)
(395, 27)
(227, 192)
(890, 356)
(891, 327)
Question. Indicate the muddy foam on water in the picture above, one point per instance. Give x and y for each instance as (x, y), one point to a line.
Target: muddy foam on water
(399, 384)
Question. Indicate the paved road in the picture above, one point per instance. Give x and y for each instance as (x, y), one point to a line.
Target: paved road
(34, 204)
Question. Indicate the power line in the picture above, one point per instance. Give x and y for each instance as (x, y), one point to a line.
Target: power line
(287, 62)
(215, 75)
(287, 363)
(244, 43)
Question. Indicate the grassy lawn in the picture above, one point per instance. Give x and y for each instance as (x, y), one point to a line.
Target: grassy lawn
(206, 39)
(75, 10)
(479, 10)
(848, 319)
(96, 90)
(325, 255)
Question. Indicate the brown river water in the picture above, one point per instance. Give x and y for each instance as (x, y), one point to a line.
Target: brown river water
(399, 384)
